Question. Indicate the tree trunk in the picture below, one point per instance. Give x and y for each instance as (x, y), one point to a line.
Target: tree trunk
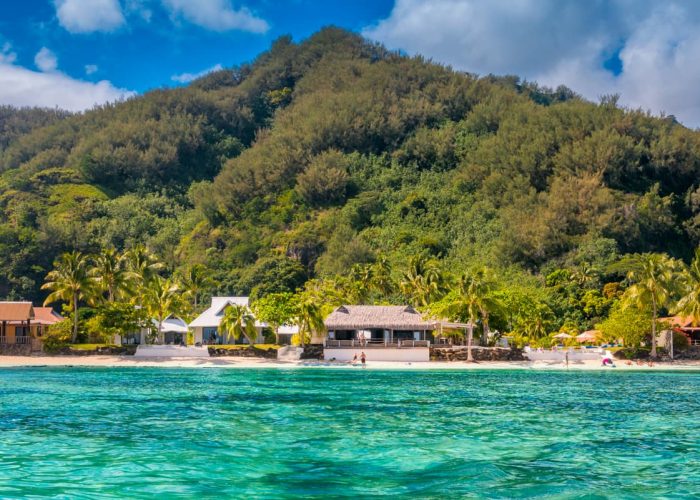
(487, 330)
(277, 335)
(470, 334)
(653, 329)
(75, 318)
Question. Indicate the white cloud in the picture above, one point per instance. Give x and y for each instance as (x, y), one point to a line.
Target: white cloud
(563, 42)
(46, 60)
(188, 77)
(23, 87)
(88, 16)
(90, 69)
(216, 15)
(6, 54)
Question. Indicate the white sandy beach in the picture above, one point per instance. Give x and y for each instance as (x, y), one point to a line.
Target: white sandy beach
(130, 361)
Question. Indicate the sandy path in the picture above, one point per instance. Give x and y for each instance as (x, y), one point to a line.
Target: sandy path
(129, 361)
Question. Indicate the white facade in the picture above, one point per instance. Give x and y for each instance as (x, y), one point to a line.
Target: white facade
(560, 355)
(403, 354)
(173, 331)
(206, 326)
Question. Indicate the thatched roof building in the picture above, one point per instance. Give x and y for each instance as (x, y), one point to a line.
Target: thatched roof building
(377, 317)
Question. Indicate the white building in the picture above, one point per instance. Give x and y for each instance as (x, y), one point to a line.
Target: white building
(206, 325)
(173, 332)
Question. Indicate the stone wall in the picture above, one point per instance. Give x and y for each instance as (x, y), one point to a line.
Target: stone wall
(247, 352)
(692, 352)
(459, 353)
(15, 350)
(125, 350)
(313, 351)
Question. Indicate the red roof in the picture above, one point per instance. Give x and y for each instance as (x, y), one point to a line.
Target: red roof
(679, 321)
(46, 316)
(16, 311)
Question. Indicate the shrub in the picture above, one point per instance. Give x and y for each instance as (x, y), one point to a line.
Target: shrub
(632, 353)
(57, 336)
(325, 181)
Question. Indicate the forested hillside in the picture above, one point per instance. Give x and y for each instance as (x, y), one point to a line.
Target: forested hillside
(334, 152)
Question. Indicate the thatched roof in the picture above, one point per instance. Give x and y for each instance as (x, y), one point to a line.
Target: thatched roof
(384, 317)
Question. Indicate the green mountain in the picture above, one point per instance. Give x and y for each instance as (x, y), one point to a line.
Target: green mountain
(335, 151)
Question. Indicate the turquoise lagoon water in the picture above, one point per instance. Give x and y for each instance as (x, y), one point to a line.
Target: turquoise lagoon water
(140, 432)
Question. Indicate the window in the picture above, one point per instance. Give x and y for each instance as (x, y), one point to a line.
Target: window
(210, 335)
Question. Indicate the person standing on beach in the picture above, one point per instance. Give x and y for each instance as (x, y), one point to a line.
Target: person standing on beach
(354, 360)
(363, 358)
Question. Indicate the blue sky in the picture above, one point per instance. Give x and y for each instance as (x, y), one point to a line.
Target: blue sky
(76, 53)
(152, 45)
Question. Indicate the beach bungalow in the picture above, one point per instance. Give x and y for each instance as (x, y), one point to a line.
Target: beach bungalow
(23, 324)
(173, 332)
(44, 317)
(686, 326)
(206, 326)
(383, 333)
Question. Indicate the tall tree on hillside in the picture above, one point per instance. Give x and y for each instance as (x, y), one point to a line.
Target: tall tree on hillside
(70, 282)
(161, 298)
(111, 273)
(381, 280)
(652, 277)
(238, 322)
(422, 282)
(195, 280)
(689, 304)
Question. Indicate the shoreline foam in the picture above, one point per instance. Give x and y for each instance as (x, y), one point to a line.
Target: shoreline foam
(130, 361)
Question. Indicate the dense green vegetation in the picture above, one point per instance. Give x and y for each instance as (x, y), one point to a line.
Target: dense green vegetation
(357, 174)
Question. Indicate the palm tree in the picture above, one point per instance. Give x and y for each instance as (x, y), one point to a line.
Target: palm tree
(585, 275)
(422, 282)
(70, 281)
(110, 272)
(143, 264)
(161, 298)
(470, 298)
(309, 320)
(196, 279)
(689, 304)
(361, 277)
(381, 280)
(238, 321)
(652, 275)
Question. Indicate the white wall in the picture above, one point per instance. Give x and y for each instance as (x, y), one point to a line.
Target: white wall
(574, 355)
(289, 353)
(380, 354)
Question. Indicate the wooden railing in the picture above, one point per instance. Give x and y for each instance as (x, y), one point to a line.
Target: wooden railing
(20, 339)
(372, 344)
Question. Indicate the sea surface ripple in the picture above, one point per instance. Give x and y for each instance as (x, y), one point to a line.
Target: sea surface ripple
(312, 433)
